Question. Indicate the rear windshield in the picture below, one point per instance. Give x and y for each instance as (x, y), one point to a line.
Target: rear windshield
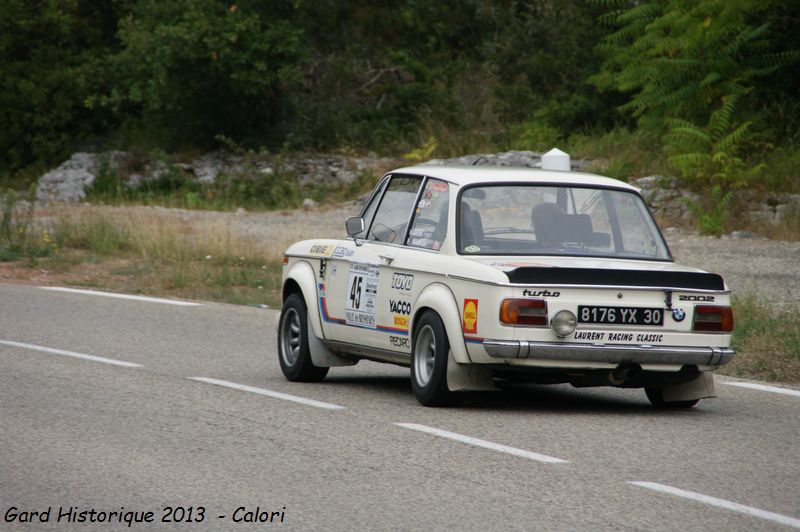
(556, 220)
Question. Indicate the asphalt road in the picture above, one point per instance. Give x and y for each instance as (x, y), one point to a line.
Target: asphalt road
(94, 435)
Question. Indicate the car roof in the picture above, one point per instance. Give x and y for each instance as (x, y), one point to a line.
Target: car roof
(467, 175)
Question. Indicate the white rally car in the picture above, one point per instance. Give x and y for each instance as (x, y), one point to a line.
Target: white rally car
(474, 275)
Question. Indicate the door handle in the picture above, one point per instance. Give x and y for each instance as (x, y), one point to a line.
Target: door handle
(387, 258)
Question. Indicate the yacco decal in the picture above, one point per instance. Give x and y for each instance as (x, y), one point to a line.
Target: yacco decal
(327, 318)
(470, 316)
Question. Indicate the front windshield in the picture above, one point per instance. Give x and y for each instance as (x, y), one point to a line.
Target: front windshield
(557, 220)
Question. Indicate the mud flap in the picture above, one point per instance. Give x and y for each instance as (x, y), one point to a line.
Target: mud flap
(468, 377)
(700, 388)
(321, 356)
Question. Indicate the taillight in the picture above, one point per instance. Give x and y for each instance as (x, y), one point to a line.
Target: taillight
(709, 318)
(530, 312)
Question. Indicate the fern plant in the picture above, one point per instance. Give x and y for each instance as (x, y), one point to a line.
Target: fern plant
(688, 65)
(713, 154)
(712, 220)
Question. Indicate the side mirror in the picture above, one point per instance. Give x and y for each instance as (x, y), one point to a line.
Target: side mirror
(355, 225)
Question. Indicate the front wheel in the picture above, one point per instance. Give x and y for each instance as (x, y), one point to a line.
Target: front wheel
(430, 350)
(293, 353)
(656, 397)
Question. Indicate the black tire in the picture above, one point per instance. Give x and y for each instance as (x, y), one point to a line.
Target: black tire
(293, 353)
(429, 351)
(656, 397)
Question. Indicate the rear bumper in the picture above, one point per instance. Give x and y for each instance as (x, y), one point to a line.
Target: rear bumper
(615, 354)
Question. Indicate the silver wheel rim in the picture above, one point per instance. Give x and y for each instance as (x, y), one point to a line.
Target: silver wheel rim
(424, 355)
(291, 337)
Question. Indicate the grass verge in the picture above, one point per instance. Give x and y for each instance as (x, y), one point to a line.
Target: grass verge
(767, 342)
(142, 251)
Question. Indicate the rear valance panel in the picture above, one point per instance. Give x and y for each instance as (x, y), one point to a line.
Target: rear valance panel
(603, 277)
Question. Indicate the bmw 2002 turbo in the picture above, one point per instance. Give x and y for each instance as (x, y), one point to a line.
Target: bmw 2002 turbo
(472, 276)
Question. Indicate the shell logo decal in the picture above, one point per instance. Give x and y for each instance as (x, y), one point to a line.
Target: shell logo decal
(470, 320)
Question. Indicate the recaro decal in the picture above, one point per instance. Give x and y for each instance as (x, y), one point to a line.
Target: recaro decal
(399, 341)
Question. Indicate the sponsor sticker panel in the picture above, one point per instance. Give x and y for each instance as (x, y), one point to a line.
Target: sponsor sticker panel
(362, 294)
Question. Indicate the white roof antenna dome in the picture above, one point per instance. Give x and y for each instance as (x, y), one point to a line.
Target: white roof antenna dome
(556, 159)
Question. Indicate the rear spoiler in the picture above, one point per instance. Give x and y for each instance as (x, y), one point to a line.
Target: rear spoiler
(603, 277)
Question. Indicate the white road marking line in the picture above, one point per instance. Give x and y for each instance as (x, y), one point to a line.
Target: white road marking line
(71, 354)
(721, 503)
(764, 388)
(122, 296)
(483, 443)
(268, 393)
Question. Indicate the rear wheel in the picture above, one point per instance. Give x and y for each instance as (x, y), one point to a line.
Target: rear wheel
(293, 353)
(656, 397)
(430, 350)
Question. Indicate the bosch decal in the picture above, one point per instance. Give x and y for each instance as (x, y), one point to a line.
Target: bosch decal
(401, 321)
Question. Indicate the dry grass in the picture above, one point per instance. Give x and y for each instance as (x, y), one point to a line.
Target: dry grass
(157, 252)
(787, 229)
(767, 342)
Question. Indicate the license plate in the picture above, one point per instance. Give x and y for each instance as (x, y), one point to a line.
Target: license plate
(620, 315)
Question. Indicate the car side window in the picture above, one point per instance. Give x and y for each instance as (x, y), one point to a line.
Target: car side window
(391, 219)
(429, 226)
(372, 206)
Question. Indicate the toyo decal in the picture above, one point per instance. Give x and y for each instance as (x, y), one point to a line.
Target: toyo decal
(470, 320)
(402, 281)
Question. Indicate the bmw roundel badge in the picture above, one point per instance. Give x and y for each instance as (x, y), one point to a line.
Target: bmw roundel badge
(678, 314)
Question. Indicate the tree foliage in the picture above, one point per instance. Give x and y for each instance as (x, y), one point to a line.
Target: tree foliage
(716, 80)
(692, 70)
(193, 69)
(49, 59)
